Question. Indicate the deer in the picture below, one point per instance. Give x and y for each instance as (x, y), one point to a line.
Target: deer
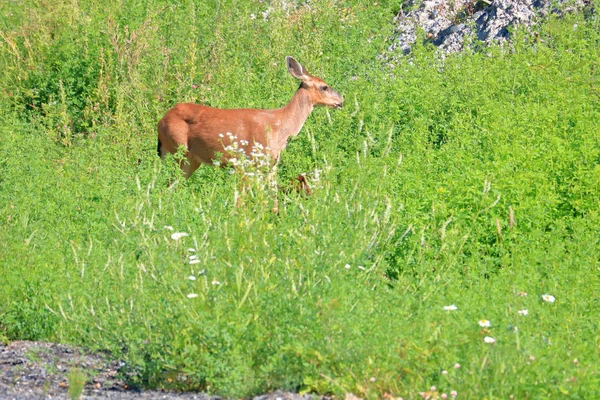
(205, 132)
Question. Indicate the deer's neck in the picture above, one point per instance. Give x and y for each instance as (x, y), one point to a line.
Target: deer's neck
(291, 119)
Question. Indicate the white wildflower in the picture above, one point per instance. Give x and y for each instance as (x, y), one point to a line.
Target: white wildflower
(484, 323)
(169, 227)
(195, 261)
(215, 282)
(489, 340)
(451, 307)
(192, 296)
(347, 266)
(548, 298)
(178, 235)
(192, 278)
(523, 312)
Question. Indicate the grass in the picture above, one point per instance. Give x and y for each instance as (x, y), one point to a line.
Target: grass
(76, 379)
(458, 182)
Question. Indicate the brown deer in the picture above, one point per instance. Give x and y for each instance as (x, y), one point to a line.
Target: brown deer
(206, 131)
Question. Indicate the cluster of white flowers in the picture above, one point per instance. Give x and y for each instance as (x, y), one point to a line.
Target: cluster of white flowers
(433, 393)
(193, 259)
(316, 175)
(314, 178)
(347, 266)
(257, 152)
(486, 324)
(265, 14)
(233, 150)
(251, 161)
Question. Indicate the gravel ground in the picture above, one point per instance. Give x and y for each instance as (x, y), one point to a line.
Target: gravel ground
(39, 370)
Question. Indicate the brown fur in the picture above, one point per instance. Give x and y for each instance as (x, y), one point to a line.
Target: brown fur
(197, 127)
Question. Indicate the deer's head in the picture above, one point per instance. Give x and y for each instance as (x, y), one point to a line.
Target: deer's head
(321, 94)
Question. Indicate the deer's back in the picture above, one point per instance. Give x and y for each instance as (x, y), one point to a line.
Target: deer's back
(204, 130)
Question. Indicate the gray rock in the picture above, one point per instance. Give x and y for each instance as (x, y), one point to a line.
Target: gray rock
(451, 25)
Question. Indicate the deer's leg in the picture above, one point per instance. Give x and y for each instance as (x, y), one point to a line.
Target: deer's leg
(238, 196)
(189, 165)
(272, 182)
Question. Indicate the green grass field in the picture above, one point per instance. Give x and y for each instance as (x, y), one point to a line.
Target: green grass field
(467, 181)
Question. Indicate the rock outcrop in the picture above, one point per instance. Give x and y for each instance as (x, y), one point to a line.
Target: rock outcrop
(453, 25)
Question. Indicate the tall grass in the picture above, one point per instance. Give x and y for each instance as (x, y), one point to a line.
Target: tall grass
(462, 181)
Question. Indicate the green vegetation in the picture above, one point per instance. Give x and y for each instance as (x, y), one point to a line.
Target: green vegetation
(341, 291)
(76, 380)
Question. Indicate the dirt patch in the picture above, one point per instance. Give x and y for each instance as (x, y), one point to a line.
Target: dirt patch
(39, 370)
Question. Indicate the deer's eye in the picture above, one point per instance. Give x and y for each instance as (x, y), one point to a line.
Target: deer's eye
(324, 88)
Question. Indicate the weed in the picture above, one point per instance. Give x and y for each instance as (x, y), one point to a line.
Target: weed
(76, 379)
(461, 182)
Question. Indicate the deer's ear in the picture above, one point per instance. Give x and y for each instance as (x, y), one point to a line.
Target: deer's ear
(295, 68)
